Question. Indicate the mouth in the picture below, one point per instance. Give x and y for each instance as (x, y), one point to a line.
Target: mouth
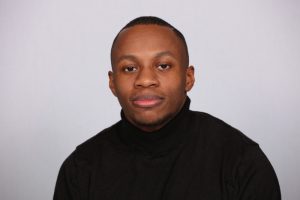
(147, 101)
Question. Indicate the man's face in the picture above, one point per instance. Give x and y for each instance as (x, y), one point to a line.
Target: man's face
(150, 75)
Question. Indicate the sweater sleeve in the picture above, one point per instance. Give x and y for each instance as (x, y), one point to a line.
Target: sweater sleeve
(66, 187)
(73, 178)
(256, 177)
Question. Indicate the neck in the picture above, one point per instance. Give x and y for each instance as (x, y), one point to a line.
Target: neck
(152, 127)
(161, 138)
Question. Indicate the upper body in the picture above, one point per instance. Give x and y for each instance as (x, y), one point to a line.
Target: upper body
(160, 149)
(195, 156)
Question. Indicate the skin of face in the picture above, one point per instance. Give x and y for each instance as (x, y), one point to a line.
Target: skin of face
(150, 75)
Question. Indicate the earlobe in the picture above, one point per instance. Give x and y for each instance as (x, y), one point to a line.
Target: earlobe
(111, 82)
(190, 79)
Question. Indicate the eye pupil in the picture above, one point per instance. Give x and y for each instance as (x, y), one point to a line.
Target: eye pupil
(163, 66)
(130, 69)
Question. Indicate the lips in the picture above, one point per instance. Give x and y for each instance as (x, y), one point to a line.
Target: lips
(146, 101)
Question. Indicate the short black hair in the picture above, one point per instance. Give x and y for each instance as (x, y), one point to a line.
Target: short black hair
(152, 20)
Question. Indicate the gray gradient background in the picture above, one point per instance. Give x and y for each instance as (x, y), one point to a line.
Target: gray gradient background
(54, 58)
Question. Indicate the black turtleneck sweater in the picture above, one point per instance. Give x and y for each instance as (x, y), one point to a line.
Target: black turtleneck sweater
(194, 157)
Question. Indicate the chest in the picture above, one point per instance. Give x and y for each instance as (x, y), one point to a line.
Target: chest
(183, 174)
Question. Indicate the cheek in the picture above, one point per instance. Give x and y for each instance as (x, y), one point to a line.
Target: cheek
(123, 88)
(176, 84)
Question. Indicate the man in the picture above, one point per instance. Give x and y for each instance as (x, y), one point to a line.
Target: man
(160, 149)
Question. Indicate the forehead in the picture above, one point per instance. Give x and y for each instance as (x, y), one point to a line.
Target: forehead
(157, 31)
(140, 39)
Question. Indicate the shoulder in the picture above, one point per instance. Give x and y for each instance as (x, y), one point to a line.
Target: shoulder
(99, 139)
(74, 174)
(246, 166)
(86, 152)
(223, 142)
(216, 131)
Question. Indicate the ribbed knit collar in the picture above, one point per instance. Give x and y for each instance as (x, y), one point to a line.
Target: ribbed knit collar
(156, 142)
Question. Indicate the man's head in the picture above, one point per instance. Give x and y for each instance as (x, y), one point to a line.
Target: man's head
(150, 20)
(150, 74)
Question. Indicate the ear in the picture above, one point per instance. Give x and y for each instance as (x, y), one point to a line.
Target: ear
(190, 79)
(111, 82)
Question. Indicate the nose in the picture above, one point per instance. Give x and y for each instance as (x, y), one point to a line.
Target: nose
(146, 77)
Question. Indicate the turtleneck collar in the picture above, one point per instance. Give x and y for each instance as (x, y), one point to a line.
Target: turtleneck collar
(159, 141)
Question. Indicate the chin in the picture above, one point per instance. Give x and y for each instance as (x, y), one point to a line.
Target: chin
(152, 121)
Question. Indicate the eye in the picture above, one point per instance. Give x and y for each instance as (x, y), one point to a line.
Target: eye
(163, 67)
(130, 69)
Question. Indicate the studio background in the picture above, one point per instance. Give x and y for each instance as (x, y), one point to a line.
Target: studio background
(54, 59)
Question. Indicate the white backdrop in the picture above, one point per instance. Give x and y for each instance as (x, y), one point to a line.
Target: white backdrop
(54, 58)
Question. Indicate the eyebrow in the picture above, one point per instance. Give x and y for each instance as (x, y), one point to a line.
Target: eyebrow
(134, 58)
(126, 57)
(164, 53)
